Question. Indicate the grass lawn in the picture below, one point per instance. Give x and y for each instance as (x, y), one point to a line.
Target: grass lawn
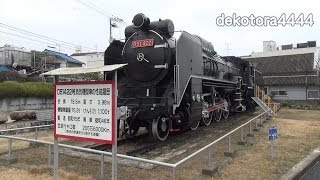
(298, 135)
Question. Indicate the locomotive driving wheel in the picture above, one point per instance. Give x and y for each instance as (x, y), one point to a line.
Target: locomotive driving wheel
(225, 112)
(207, 120)
(195, 125)
(160, 128)
(217, 115)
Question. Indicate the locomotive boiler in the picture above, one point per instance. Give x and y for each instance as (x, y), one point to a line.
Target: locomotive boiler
(172, 84)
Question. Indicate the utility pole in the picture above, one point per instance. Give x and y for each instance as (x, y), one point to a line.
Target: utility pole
(112, 24)
(227, 49)
(110, 30)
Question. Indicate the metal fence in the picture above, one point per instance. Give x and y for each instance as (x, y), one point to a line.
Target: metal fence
(251, 125)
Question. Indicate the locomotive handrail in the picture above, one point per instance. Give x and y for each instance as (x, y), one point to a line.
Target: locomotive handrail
(261, 94)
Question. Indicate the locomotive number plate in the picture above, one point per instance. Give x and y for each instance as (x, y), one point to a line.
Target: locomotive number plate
(142, 43)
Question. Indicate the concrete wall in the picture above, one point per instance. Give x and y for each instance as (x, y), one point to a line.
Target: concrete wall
(293, 92)
(14, 104)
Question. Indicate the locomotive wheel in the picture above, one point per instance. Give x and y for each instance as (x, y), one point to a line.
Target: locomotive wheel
(160, 128)
(207, 121)
(217, 115)
(225, 114)
(187, 113)
(195, 126)
(133, 131)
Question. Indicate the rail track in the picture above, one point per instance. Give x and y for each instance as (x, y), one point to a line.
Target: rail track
(140, 145)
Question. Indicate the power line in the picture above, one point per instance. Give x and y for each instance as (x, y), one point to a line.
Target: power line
(18, 40)
(96, 8)
(101, 11)
(38, 35)
(34, 40)
(41, 36)
(112, 18)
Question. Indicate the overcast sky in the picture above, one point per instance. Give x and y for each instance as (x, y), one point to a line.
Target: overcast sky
(73, 22)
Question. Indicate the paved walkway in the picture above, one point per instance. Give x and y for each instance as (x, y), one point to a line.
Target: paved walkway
(313, 173)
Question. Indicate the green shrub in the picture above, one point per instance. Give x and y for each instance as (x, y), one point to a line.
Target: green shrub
(26, 89)
(10, 75)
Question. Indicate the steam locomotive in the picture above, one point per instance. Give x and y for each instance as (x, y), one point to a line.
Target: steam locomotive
(173, 84)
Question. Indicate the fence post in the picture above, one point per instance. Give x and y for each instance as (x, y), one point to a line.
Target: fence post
(55, 159)
(174, 173)
(49, 154)
(256, 126)
(241, 134)
(229, 143)
(250, 130)
(102, 167)
(37, 134)
(9, 149)
(242, 141)
(209, 155)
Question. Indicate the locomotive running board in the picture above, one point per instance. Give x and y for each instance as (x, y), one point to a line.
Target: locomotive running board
(263, 105)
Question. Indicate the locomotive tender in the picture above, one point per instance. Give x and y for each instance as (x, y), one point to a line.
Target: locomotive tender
(174, 84)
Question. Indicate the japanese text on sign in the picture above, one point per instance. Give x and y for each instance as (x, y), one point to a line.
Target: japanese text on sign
(83, 111)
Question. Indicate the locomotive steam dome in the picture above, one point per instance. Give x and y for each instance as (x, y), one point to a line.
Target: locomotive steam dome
(147, 50)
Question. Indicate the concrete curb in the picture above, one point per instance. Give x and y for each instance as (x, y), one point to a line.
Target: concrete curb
(299, 169)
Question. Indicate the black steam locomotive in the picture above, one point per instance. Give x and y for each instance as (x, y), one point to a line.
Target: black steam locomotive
(173, 84)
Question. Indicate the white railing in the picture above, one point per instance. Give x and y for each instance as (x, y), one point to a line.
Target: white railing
(256, 120)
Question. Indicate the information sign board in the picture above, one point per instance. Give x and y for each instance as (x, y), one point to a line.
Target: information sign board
(85, 111)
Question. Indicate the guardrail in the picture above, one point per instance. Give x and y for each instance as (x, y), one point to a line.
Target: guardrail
(252, 123)
(25, 128)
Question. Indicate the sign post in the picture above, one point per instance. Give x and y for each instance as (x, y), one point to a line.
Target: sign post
(86, 110)
(114, 145)
(55, 149)
(273, 134)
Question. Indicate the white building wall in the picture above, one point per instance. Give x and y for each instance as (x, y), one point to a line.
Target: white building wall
(81, 58)
(293, 92)
(92, 59)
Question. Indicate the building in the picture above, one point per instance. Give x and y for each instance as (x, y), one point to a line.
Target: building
(10, 55)
(53, 60)
(20, 59)
(91, 58)
(290, 72)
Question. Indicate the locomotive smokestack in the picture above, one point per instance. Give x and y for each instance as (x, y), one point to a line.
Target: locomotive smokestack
(141, 21)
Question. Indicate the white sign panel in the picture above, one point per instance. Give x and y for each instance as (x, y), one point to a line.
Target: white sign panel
(85, 111)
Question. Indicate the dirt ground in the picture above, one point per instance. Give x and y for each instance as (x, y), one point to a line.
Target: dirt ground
(299, 133)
